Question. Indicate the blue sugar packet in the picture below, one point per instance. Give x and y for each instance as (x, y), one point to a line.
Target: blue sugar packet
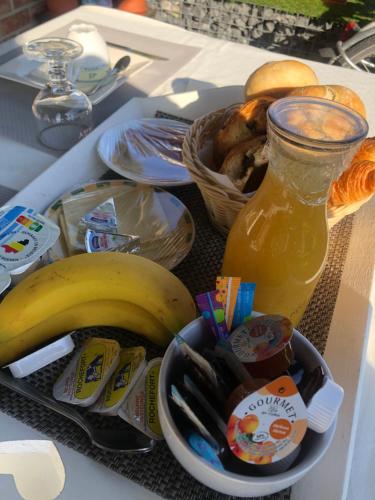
(244, 304)
(204, 449)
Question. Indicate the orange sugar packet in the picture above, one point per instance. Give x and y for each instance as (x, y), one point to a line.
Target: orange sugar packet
(227, 288)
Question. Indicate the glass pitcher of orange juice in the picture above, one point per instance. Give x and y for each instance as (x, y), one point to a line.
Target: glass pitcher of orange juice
(279, 239)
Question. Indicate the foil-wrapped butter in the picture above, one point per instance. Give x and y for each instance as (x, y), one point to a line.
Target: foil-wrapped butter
(88, 372)
(141, 406)
(131, 365)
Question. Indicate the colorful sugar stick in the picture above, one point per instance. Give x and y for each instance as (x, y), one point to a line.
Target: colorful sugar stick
(233, 287)
(213, 312)
(244, 304)
(222, 289)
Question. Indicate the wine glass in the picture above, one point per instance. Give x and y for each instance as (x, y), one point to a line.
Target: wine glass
(63, 113)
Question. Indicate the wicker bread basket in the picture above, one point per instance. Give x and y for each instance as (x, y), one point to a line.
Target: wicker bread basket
(222, 201)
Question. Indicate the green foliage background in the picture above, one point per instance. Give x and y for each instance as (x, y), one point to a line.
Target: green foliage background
(360, 10)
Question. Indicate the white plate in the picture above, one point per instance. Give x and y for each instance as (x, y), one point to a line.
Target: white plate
(82, 163)
(167, 243)
(34, 74)
(150, 168)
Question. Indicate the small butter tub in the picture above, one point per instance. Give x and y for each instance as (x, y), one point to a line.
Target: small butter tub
(140, 408)
(86, 375)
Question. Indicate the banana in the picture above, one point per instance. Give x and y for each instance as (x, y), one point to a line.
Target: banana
(108, 289)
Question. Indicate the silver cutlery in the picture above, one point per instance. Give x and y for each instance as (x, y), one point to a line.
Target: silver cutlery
(114, 440)
(116, 72)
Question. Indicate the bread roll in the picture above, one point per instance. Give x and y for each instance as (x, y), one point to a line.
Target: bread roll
(358, 181)
(243, 160)
(336, 93)
(246, 122)
(276, 78)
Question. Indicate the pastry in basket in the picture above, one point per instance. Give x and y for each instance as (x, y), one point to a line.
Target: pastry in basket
(337, 93)
(246, 164)
(276, 78)
(244, 123)
(357, 183)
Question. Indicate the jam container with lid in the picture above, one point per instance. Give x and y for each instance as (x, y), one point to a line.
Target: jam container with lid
(263, 345)
(269, 424)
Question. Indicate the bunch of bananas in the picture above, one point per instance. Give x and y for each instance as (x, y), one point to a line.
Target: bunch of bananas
(102, 289)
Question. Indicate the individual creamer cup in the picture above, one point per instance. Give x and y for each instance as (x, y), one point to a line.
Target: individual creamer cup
(24, 236)
(102, 218)
(98, 241)
(269, 424)
(5, 281)
(131, 365)
(42, 357)
(88, 372)
(263, 345)
(324, 406)
(140, 408)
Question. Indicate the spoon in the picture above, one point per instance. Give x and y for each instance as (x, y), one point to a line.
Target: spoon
(118, 68)
(115, 440)
(121, 64)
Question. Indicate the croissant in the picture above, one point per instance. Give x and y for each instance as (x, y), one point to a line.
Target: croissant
(358, 181)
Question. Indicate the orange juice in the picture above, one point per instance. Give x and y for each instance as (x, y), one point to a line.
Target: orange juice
(279, 239)
(280, 243)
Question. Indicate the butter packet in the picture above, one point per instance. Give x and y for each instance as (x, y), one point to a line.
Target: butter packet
(131, 365)
(141, 406)
(88, 372)
(98, 241)
(103, 217)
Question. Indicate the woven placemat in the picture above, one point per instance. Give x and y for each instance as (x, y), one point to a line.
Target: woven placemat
(158, 470)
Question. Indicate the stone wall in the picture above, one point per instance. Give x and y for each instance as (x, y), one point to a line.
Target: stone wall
(295, 35)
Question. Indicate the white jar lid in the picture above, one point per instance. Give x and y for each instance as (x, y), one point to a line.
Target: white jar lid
(324, 406)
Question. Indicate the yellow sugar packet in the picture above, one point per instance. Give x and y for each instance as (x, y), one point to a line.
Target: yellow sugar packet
(227, 288)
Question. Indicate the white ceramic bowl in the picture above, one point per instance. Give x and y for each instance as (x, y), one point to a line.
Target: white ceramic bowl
(314, 445)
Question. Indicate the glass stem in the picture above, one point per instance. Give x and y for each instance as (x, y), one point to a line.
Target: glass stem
(57, 75)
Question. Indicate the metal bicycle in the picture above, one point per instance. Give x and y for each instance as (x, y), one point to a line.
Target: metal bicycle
(358, 52)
